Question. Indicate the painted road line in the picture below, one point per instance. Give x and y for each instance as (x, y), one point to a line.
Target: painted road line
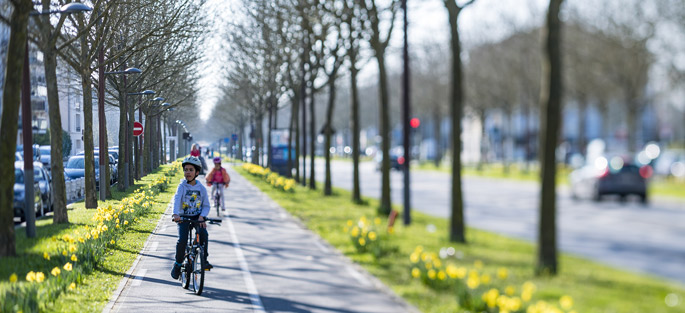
(139, 277)
(153, 246)
(359, 277)
(320, 246)
(249, 283)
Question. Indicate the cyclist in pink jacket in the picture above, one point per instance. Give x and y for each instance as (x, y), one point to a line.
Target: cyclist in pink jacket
(218, 178)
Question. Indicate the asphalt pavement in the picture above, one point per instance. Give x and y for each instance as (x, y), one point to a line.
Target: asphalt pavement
(264, 261)
(647, 239)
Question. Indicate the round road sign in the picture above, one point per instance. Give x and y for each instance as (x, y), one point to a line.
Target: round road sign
(137, 129)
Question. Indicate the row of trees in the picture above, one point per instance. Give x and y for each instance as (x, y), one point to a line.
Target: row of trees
(157, 36)
(286, 51)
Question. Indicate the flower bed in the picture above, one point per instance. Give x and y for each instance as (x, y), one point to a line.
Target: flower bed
(69, 257)
(275, 180)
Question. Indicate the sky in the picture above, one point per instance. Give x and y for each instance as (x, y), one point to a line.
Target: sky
(485, 20)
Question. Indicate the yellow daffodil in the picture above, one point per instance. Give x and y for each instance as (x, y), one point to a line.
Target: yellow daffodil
(473, 282)
(65, 253)
(372, 236)
(56, 271)
(13, 278)
(74, 258)
(510, 290)
(350, 223)
(566, 302)
(112, 242)
(415, 272)
(377, 220)
(40, 277)
(72, 286)
(125, 222)
(478, 264)
(485, 279)
(68, 267)
(502, 273)
(31, 276)
(391, 230)
(81, 240)
(46, 256)
(451, 271)
(414, 257)
(442, 275)
(362, 242)
(431, 274)
(490, 297)
(72, 248)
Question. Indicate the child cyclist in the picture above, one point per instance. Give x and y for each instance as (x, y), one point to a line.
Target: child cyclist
(217, 178)
(191, 199)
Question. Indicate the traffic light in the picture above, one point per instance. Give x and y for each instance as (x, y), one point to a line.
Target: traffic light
(414, 123)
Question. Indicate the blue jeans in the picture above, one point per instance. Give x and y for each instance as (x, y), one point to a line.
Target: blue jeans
(182, 242)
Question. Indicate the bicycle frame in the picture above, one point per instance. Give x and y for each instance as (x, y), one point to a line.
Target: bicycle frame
(193, 265)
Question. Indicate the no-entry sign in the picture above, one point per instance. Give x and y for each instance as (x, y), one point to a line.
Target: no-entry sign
(137, 129)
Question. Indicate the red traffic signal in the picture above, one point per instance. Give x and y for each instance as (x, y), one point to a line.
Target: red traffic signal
(414, 123)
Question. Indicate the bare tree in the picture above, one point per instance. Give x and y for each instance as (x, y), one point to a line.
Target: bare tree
(551, 97)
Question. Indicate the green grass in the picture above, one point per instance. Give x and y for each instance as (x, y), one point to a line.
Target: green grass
(97, 286)
(594, 287)
(657, 187)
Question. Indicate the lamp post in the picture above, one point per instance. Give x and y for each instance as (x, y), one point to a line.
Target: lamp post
(405, 122)
(162, 133)
(139, 144)
(124, 149)
(26, 117)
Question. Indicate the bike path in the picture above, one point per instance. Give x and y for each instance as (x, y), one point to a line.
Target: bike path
(264, 261)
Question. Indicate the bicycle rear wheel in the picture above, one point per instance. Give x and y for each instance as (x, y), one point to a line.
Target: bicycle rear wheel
(198, 274)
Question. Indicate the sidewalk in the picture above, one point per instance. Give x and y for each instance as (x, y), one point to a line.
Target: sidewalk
(264, 261)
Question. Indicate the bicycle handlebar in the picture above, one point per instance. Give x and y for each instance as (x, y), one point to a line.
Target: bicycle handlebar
(191, 219)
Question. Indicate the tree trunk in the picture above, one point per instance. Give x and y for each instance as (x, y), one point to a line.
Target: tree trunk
(385, 134)
(304, 131)
(91, 193)
(437, 118)
(582, 109)
(268, 137)
(291, 135)
(16, 52)
(328, 132)
(632, 122)
(296, 135)
(122, 166)
(59, 196)
(356, 190)
(312, 140)
(484, 141)
(146, 146)
(457, 231)
(506, 134)
(551, 95)
(104, 153)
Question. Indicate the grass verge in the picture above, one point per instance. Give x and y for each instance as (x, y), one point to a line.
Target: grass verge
(593, 287)
(95, 286)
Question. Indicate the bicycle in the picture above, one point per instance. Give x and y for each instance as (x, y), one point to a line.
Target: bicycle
(194, 261)
(216, 196)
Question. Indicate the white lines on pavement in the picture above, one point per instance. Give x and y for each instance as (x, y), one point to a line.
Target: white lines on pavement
(153, 246)
(359, 277)
(320, 246)
(249, 283)
(139, 277)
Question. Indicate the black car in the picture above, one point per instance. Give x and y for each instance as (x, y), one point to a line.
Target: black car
(113, 169)
(611, 175)
(20, 192)
(76, 168)
(44, 179)
(396, 158)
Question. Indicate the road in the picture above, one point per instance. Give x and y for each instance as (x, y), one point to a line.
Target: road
(648, 239)
(264, 261)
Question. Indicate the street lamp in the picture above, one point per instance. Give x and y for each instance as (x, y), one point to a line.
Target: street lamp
(26, 117)
(124, 109)
(139, 143)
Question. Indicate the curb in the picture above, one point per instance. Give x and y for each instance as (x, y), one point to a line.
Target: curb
(129, 274)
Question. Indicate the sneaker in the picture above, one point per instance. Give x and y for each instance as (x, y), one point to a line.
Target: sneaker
(208, 266)
(176, 271)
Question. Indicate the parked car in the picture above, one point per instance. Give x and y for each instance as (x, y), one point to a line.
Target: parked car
(615, 174)
(113, 169)
(76, 168)
(18, 157)
(45, 182)
(396, 158)
(45, 156)
(20, 192)
(36, 152)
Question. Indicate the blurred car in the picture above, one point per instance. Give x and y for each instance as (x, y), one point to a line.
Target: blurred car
(36, 152)
(396, 158)
(20, 192)
(18, 157)
(45, 183)
(115, 154)
(610, 175)
(671, 162)
(45, 156)
(75, 168)
(113, 169)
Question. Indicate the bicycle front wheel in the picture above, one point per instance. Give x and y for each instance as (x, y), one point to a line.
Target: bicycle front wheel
(186, 269)
(198, 274)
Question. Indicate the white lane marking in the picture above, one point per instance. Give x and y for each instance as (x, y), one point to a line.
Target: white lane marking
(320, 246)
(249, 283)
(153, 246)
(139, 277)
(359, 277)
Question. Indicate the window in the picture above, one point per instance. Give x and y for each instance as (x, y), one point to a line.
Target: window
(78, 122)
